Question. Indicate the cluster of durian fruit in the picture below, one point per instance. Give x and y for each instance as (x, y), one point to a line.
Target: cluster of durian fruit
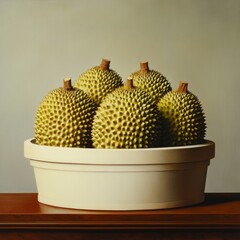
(101, 111)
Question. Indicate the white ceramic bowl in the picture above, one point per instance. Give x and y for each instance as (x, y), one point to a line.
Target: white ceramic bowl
(120, 179)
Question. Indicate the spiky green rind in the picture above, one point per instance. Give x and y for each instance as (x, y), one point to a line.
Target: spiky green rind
(126, 119)
(184, 120)
(97, 83)
(64, 118)
(152, 82)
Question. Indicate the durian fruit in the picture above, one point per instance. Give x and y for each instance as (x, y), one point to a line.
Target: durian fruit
(64, 118)
(151, 81)
(126, 118)
(98, 81)
(183, 117)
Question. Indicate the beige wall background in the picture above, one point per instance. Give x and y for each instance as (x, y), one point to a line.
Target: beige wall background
(43, 41)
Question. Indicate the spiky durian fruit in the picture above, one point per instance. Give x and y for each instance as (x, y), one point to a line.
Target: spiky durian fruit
(183, 117)
(64, 118)
(151, 81)
(126, 118)
(98, 81)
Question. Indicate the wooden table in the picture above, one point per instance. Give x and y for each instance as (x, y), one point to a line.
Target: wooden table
(22, 217)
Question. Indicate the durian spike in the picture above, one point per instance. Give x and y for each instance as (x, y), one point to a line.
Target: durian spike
(183, 87)
(105, 64)
(67, 84)
(144, 68)
(129, 83)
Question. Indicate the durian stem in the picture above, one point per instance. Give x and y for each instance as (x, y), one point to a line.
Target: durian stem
(67, 84)
(144, 68)
(129, 83)
(105, 64)
(183, 87)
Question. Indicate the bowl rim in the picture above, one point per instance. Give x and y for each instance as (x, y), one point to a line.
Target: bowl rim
(158, 155)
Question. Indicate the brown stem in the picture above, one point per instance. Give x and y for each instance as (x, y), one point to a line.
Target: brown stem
(105, 64)
(183, 87)
(144, 68)
(67, 84)
(129, 83)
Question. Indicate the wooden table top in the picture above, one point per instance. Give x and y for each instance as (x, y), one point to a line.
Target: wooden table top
(22, 210)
